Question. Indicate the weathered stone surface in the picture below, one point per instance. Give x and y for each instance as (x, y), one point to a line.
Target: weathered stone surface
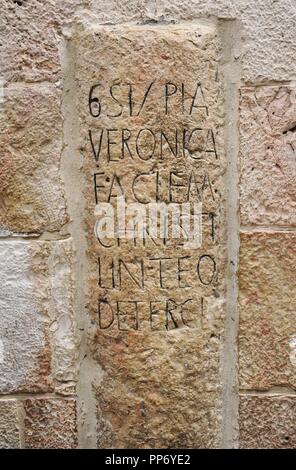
(268, 33)
(30, 33)
(115, 11)
(54, 290)
(267, 310)
(31, 193)
(37, 336)
(157, 325)
(267, 422)
(50, 424)
(9, 425)
(267, 155)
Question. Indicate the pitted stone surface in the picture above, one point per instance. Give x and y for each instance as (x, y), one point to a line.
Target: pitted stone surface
(267, 156)
(156, 311)
(30, 33)
(9, 425)
(31, 189)
(267, 310)
(267, 422)
(50, 423)
(115, 11)
(38, 344)
(160, 355)
(267, 29)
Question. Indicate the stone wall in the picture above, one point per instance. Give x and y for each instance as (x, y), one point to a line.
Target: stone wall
(147, 345)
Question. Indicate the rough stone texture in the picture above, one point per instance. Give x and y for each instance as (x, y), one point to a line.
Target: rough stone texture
(161, 382)
(9, 425)
(268, 32)
(63, 325)
(159, 385)
(31, 194)
(30, 33)
(115, 11)
(267, 422)
(50, 424)
(267, 155)
(267, 310)
(37, 336)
